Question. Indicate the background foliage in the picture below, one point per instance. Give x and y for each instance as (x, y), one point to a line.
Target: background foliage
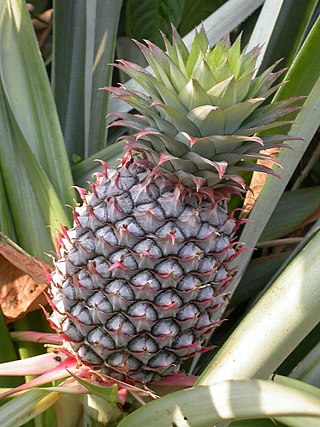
(53, 59)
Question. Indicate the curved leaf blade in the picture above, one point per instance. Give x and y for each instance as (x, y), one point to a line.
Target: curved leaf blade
(229, 400)
(277, 323)
(27, 90)
(33, 202)
(24, 408)
(84, 44)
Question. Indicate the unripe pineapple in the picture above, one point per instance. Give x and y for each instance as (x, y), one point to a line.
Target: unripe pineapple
(140, 275)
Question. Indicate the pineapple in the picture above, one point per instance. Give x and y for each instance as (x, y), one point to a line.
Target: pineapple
(139, 277)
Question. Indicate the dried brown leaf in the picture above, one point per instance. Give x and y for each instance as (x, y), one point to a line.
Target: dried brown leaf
(257, 182)
(22, 282)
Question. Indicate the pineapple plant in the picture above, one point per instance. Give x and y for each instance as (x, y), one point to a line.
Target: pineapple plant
(139, 277)
(34, 189)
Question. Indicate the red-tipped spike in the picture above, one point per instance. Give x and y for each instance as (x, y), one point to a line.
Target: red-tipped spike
(105, 166)
(75, 218)
(82, 192)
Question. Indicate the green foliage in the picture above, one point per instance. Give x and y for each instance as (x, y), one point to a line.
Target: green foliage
(145, 18)
(84, 45)
(37, 172)
(209, 405)
(196, 11)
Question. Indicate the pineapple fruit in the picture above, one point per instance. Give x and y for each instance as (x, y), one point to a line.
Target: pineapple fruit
(139, 277)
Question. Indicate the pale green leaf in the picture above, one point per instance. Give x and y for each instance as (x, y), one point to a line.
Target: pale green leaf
(210, 120)
(193, 95)
(230, 400)
(218, 90)
(25, 407)
(279, 321)
(170, 98)
(33, 201)
(181, 122)
(198, 50)
(203, 75)
(234, 57)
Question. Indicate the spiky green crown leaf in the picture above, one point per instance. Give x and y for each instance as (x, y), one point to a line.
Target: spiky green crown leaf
(201, 114)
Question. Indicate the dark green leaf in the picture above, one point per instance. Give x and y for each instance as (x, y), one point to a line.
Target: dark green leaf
(33, 201)
(26, 88)
(196, 11)
(289, 31)
(6, 223)
(107, 393)
(82, 172)
(84, 43)
(258, 273)
(293, 209)
(7, 353)
(145, 18)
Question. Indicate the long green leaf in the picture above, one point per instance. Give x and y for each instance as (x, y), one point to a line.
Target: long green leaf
(6, 223)
(84, 43)
(303, 79)
(229, 400)
(297, 421)
(253, 423)
(308, 369)
(305, 127)
(27, 90)
(300, 352)
(278, 322)
(32, 199)
(25, 407)
(276, 19)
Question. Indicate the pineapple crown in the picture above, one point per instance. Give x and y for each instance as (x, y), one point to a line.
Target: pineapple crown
(201, 116)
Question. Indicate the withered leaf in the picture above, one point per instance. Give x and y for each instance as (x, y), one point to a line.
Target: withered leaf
(257, 182)
(22, 282)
